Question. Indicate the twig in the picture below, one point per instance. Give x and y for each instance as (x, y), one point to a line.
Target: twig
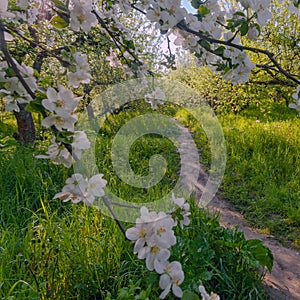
(36, 44)
(9, 59)
(108, 205)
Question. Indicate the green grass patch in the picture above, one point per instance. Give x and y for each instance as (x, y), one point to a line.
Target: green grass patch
(263, 168)
(55, 250)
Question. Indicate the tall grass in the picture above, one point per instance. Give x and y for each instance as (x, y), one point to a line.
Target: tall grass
(262, 176)
(54, 250)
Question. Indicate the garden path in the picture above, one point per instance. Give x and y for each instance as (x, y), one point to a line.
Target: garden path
(283, 283)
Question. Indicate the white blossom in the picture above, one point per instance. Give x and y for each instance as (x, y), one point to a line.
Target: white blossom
(293, 9)
(246, 3)
(253, 33)
(113, 59)
(81, 75)
(79, 188)
(155, 257)
(14, 85)
(58, 154)
(206, 296)
(3, 10)
(261, 9)
(154, 14)
(12, 103)
(62, 102)
(163, 235)
(96, 185)
(138, 234)
(193, 22)
(296, 96)
(155, 98)
(80, 142)
(185, 210)
(67, 122)
(81, 16)
(171, 279)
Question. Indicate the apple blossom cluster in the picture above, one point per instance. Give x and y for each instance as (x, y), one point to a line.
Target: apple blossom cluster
(62, 104)
(153, 236)
(260, 7)
(165, 14)
(79, 188)
(155, 98)
(60, 155)
(153, 233)
(81, 15)
(82, 69)
(242, 66)
(184, 206)
(13, 90)
(168, 14)
(28, 11)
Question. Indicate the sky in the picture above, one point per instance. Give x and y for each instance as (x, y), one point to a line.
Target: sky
(187, 5)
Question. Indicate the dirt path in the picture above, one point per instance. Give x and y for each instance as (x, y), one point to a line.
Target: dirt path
(284, 281)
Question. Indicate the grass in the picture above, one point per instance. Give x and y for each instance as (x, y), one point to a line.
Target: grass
(262, 176)
(54, 250)
(140, 153)
(263, 167)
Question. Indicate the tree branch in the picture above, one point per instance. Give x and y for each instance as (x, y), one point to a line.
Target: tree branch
(34, 44)
(242, 48)
(229, 43)
(108, 205)
(3, 47)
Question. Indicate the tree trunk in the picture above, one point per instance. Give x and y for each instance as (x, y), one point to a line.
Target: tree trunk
(26, 128)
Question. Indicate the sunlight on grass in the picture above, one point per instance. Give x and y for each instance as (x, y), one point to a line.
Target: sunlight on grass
(50, 249)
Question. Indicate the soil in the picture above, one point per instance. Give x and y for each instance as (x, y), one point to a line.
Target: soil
(283, 283)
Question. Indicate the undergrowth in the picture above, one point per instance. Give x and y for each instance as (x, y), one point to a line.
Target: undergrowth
(54, 250)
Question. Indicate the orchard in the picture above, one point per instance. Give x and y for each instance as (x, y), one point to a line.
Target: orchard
(57, 56)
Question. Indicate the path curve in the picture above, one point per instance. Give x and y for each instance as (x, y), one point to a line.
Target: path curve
(283, 283)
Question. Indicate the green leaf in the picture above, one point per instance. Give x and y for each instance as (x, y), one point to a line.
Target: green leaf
(65, 137)
(196, 3)
(129, 44)
(188, 295)
(163, 31)
(244, 28)
(203, 10)
(261, 253)
(35, 106)
(219, 50)
(10, 72)
(239, 13)
(258, 28)
(60, 5)
(58, 2)
(238, 22)
(205, 44)
(59, 22)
